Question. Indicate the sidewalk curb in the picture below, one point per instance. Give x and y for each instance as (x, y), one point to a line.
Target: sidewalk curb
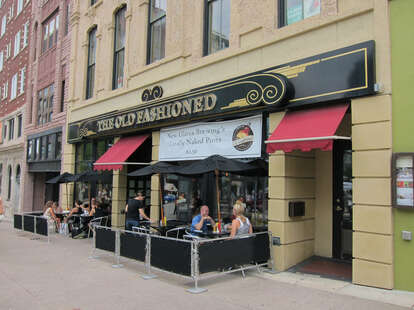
(394, 297)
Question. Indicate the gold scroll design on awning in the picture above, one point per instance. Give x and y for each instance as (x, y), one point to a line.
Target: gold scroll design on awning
(268, 94)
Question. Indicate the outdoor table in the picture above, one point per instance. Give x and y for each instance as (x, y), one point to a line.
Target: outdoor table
(162, 229)
(215, 234)
(62, 215)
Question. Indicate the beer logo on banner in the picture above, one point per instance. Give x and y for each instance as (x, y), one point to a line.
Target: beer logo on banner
(243, 138)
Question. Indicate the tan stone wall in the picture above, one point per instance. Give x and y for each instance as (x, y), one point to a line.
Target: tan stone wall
(372, 213)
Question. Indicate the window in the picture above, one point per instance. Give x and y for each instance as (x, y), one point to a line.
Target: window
(90, 78)
(4, 132)
(22, 80)
(1, 175)
(11, 11)
(119, 52)
(1, 61)
(10, 183)
(58, 148)
(50, 32)
(16, 44)
(26, 34)
(37, 149)
(3, 25)
(62, 96)
(217, 29)
(43, 145)
(13, 92)
(49, 148)
(5, 90)
(19, 125)
(93, 2)
(45, 106)
(156, 31)
(67, 16)
(18, 173)
(8, 50)
(11, 129)
(19, 6)
(30, 153)
(292, 11)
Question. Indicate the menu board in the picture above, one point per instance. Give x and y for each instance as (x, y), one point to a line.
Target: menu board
(404, 181)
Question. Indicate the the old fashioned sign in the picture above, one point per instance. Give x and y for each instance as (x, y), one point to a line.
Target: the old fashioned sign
(339, 74)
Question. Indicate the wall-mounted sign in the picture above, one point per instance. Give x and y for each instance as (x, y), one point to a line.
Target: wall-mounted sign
(340, 74)
(403, 193)
(240, 138)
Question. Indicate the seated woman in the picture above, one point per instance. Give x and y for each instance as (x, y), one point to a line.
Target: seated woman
(49, 213)
(241, 224)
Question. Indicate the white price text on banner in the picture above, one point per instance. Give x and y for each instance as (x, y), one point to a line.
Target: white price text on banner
(240, 138)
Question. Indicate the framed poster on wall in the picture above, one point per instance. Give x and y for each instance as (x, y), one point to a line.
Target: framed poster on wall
(402, 180)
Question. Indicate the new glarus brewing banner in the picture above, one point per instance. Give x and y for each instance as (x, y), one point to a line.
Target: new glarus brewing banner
(241, 138)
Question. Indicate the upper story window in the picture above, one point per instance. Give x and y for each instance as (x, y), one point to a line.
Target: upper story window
(50, 32)
(11, 129)
(19, 125)
(93, 2)
(217, 25)
(13, 91)
(16, 44)
(25, 34)
(119, 49)
(19, 6)
(3, 25)
(292, 11)
(45, 106)
(1, 61)
(156, 30)
(90, 76)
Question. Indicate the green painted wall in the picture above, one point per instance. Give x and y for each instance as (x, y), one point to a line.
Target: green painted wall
(402, 49)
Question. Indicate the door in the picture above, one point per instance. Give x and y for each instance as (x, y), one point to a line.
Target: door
(342, 200)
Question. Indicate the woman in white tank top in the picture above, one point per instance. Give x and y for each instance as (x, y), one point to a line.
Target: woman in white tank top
(241, 225)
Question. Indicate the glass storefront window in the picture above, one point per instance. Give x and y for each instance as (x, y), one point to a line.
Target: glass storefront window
(30, 150)
(43, 147)
(37, 152)
(58, 146)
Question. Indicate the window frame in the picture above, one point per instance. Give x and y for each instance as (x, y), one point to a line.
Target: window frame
(206, 39)
(150, 36)
(118, 52)
(11, 129)
(282, 13)
(90, 66)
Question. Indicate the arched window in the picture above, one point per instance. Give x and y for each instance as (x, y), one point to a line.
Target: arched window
(90, 77)
(9, 176)
(18, 172)
(119, 49)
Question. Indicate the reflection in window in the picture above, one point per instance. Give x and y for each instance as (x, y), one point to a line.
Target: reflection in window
(217, 25)
(45, 105)
(156, 34)
(10, 183)
(119, 49)
(297, 10)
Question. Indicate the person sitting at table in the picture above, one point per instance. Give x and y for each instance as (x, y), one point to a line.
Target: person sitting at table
(201, 221)
(58, 209)
(134, 209)
(78, 209)
(96, 209)
(49, 213)
(241, 224)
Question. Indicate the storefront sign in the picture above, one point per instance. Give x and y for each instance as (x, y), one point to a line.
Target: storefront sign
(240, 138)
(336, 75)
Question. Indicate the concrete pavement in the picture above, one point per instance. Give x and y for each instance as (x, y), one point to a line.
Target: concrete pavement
(59, 275)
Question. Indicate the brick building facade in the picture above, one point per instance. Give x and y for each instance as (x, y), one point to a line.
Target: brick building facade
(14, 57)
(45, 124)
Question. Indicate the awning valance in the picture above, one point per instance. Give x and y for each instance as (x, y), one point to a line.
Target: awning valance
(114, 157)
(307, 129)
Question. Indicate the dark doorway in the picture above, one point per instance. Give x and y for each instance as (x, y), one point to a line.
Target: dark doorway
(342, 200)
(51, 190)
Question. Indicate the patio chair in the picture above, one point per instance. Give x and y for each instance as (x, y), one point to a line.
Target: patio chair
(189, 235)
(101, 221)
(140, 229)
(178, 231)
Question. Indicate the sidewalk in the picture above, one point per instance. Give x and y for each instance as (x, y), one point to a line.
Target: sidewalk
(59, 275)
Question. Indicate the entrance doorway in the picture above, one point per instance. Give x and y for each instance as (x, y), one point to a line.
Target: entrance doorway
(342, 200)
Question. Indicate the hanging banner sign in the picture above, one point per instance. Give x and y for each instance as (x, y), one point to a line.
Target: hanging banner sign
(240, 138)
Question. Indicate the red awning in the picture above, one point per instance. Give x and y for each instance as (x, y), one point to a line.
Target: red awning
(113, 158)
(307, 129)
